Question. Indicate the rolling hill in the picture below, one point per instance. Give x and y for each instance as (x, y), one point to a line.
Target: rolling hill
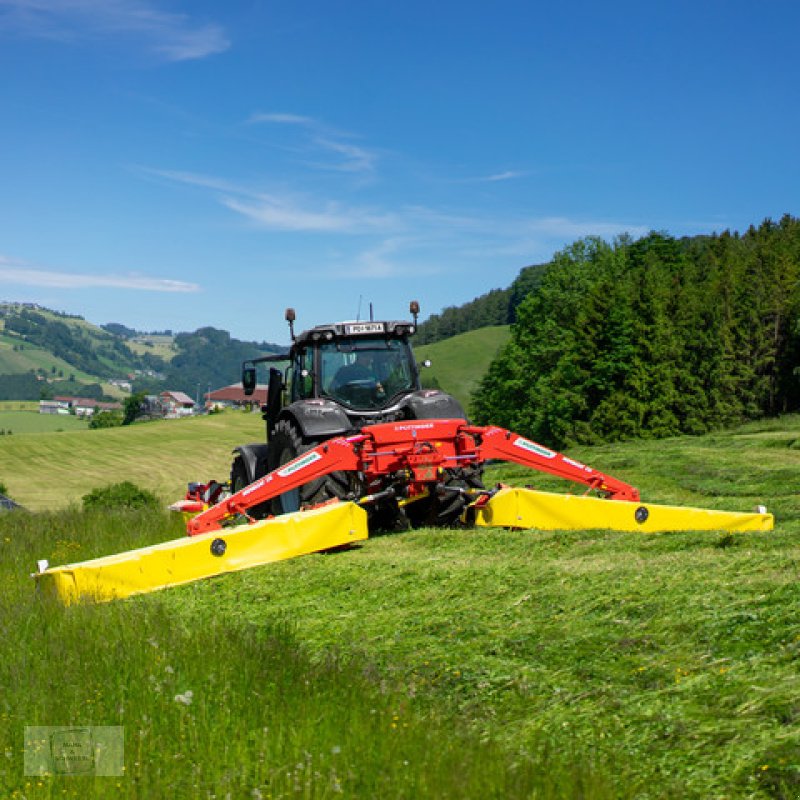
(67, 354)
(61, 353)
(459, 363)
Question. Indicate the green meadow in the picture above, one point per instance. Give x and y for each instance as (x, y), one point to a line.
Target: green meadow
(436, 663)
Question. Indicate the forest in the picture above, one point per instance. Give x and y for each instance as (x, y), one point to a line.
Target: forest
(652, 337)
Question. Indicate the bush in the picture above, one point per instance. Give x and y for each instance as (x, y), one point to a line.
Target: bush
(105, 419)
(124, 496)
(3, 489)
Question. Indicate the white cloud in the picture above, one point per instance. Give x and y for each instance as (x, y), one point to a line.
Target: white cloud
(352, 157)
(508, 175)
(174, 37)
(12, 272)
(282, 212)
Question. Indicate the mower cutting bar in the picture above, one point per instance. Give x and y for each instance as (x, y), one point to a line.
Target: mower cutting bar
(546, 511)
(185, 560)
(419, 450)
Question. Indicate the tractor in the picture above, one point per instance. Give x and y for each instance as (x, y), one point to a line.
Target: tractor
(340, 378)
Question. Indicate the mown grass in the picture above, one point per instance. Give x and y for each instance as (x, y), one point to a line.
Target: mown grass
(226, 707)
(582, 664)
(19, 405)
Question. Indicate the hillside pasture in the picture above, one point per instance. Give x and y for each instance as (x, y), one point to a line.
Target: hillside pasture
(19, 405)
(159, 345)
(459, 363)
(31, 357)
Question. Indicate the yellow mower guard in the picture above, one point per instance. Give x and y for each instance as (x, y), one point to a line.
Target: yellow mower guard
(185, 560)
(527, 508)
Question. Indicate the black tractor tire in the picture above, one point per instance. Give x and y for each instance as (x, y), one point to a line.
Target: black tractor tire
(240, 479)
(286, 444)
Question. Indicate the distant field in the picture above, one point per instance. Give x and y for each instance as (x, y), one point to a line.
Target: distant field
(48, 472)
(20, 422)
(161, 346)
(19, 405)
(459, 363)
(31, 357)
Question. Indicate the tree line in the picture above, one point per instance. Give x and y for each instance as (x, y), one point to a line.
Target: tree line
(652, 337)
(497, 307)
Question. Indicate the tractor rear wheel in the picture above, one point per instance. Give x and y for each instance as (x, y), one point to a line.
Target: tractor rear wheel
(286, 444)
(239, 479)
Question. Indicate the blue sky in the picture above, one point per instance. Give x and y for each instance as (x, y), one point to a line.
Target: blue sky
(179, 164)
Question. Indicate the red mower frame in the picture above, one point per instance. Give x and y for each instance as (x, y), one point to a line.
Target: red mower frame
(408, 460)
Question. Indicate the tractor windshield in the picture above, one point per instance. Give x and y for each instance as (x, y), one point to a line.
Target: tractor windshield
(365, 373)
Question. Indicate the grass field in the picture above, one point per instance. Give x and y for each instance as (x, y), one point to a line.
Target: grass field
(459, 363)
(161, 346)
(19, 405)
(19, 422)
(52, 472)
(437, 663)
(35, 358)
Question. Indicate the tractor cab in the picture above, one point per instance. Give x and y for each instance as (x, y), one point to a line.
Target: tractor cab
(360, 371)
(343, 375)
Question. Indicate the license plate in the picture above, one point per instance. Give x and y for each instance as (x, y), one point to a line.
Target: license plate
(364, 327)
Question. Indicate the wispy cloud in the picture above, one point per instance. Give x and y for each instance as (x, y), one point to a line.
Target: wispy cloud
(171, 36)
(15, 272)
(283, 212)
(323, 141)
(351, 158)
(281, 119)
(508, 175)
(493, 177)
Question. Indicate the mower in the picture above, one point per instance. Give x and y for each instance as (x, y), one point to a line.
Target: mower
(355, 445)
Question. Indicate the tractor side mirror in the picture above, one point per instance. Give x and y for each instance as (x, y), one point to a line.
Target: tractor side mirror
(249, 380)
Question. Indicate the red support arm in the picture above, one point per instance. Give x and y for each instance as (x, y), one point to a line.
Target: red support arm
(502, 444)
(336, 454)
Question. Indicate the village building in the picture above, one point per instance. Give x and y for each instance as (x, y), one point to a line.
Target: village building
(79, 406)
(176, 404)
(233, 396)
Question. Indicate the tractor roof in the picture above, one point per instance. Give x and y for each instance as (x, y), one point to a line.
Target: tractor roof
(355, 328)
